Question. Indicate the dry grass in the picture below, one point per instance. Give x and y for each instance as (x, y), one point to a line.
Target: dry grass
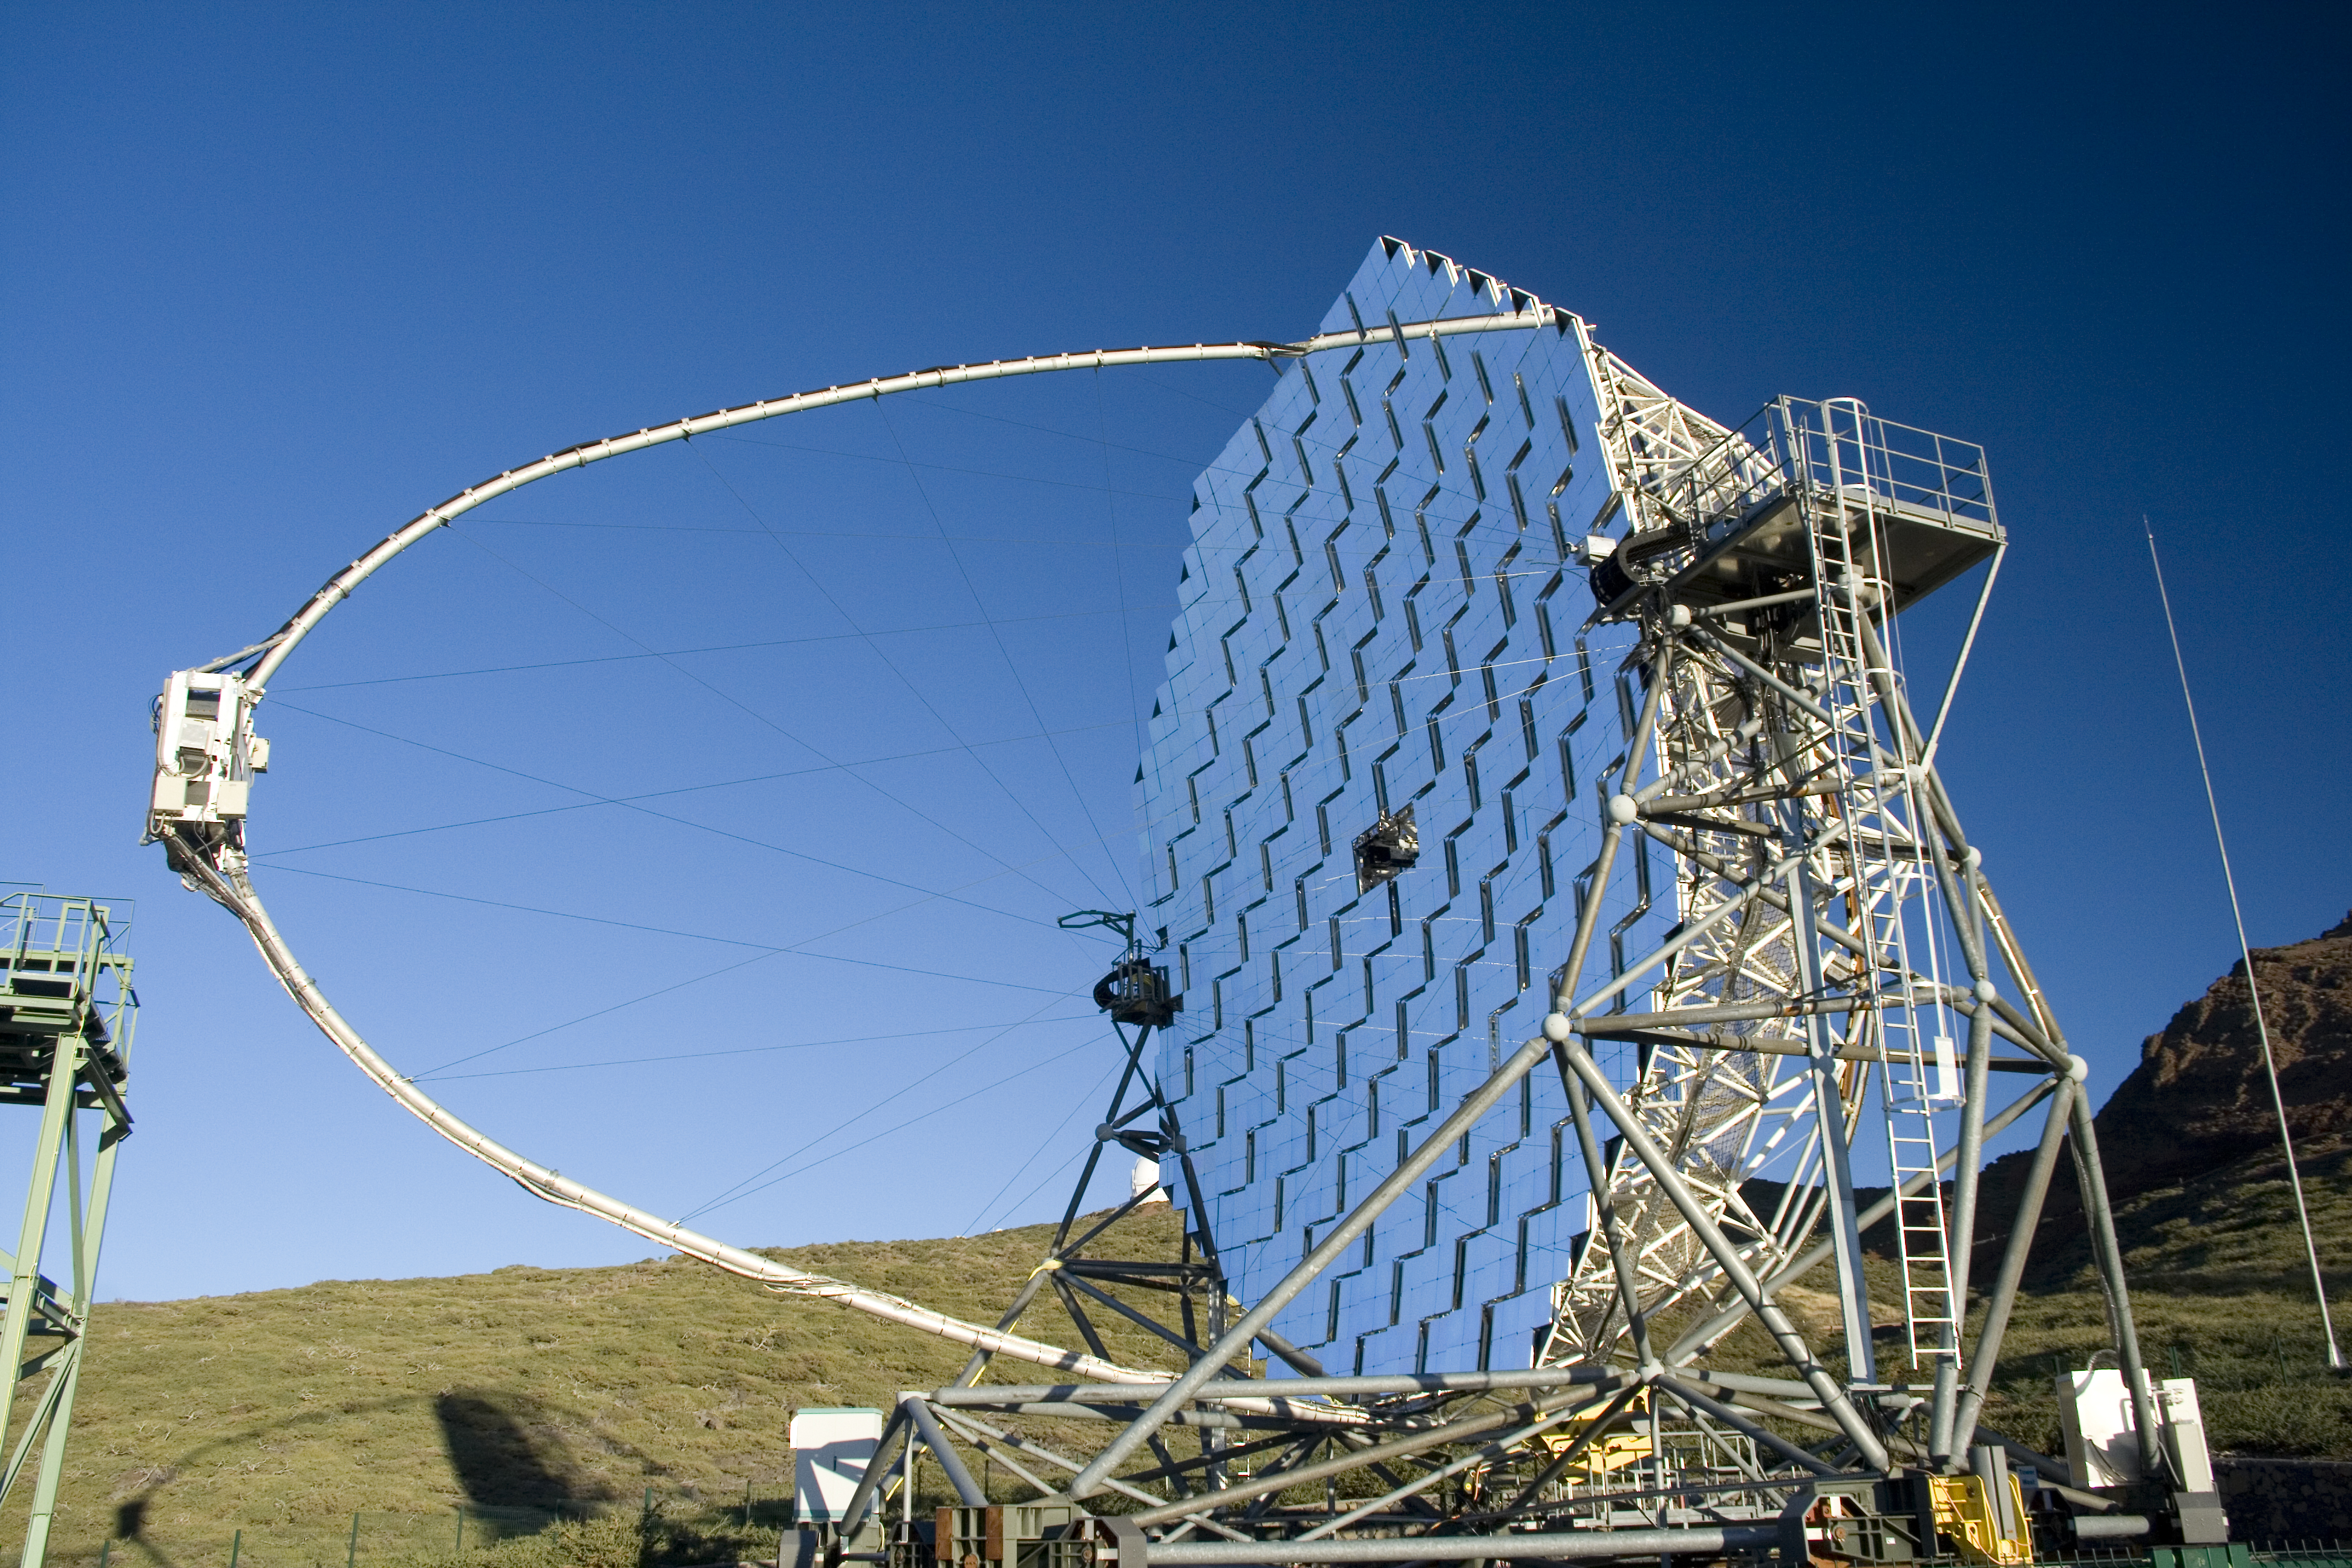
(281, 1413)
(2220, 1290)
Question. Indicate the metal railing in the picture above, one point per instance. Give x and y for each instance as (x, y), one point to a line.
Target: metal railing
(65, 942)
(1838, 445)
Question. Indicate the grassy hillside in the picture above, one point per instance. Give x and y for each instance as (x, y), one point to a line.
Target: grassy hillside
(282, 1413)
(2221, 1292)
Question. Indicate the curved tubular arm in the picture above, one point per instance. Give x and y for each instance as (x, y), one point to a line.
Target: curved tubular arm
(283, 642)
(232, 890)
(218, 869)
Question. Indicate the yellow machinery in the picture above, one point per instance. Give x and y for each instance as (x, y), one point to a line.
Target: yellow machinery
(1607, 1452)
(1968, 1513)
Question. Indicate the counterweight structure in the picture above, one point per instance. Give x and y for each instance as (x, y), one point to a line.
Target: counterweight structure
(67, 1018)
(1562, 897)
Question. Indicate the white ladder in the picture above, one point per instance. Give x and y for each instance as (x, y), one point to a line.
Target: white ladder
(1881, 806)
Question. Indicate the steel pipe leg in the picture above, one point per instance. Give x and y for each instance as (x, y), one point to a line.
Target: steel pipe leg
(1088, 1481)
(2012, 1267)
(1726, 1256)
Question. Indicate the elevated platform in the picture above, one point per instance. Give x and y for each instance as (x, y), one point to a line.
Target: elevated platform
(66, 1016)
(60, 978)
(1914, 509)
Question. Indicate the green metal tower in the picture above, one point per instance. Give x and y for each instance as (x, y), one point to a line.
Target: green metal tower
(67, 1013)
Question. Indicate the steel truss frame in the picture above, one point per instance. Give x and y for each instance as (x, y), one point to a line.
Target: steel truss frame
(1147, 1128)
(1823, 882)
(1823, 877)
(67, 1018)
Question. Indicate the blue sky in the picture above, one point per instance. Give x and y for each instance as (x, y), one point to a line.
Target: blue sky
(276, 278)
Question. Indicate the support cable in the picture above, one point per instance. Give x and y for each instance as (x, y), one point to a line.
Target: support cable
(682, 652)
(1443, 488)
(964, 1099)
(763, 948)
(1042, 1144)
(2253, 992)
(906, 680)
(233, 894)
(743, 1189)
(758, 717)
(935, 467)
(630, 801)
(988, 619)
(750, 1050)
(1118, 569)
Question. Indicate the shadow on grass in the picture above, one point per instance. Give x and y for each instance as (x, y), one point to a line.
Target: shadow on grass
(131, 1524)
(506, 1451)
(508, 1454)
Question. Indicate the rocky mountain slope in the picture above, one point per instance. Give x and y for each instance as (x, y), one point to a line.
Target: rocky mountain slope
(2199, 1103)
(2198, 1097)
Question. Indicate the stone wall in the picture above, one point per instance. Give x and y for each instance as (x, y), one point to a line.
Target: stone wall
(2287, 1502)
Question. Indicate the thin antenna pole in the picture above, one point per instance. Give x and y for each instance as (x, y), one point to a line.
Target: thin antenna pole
(2262, 1028)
